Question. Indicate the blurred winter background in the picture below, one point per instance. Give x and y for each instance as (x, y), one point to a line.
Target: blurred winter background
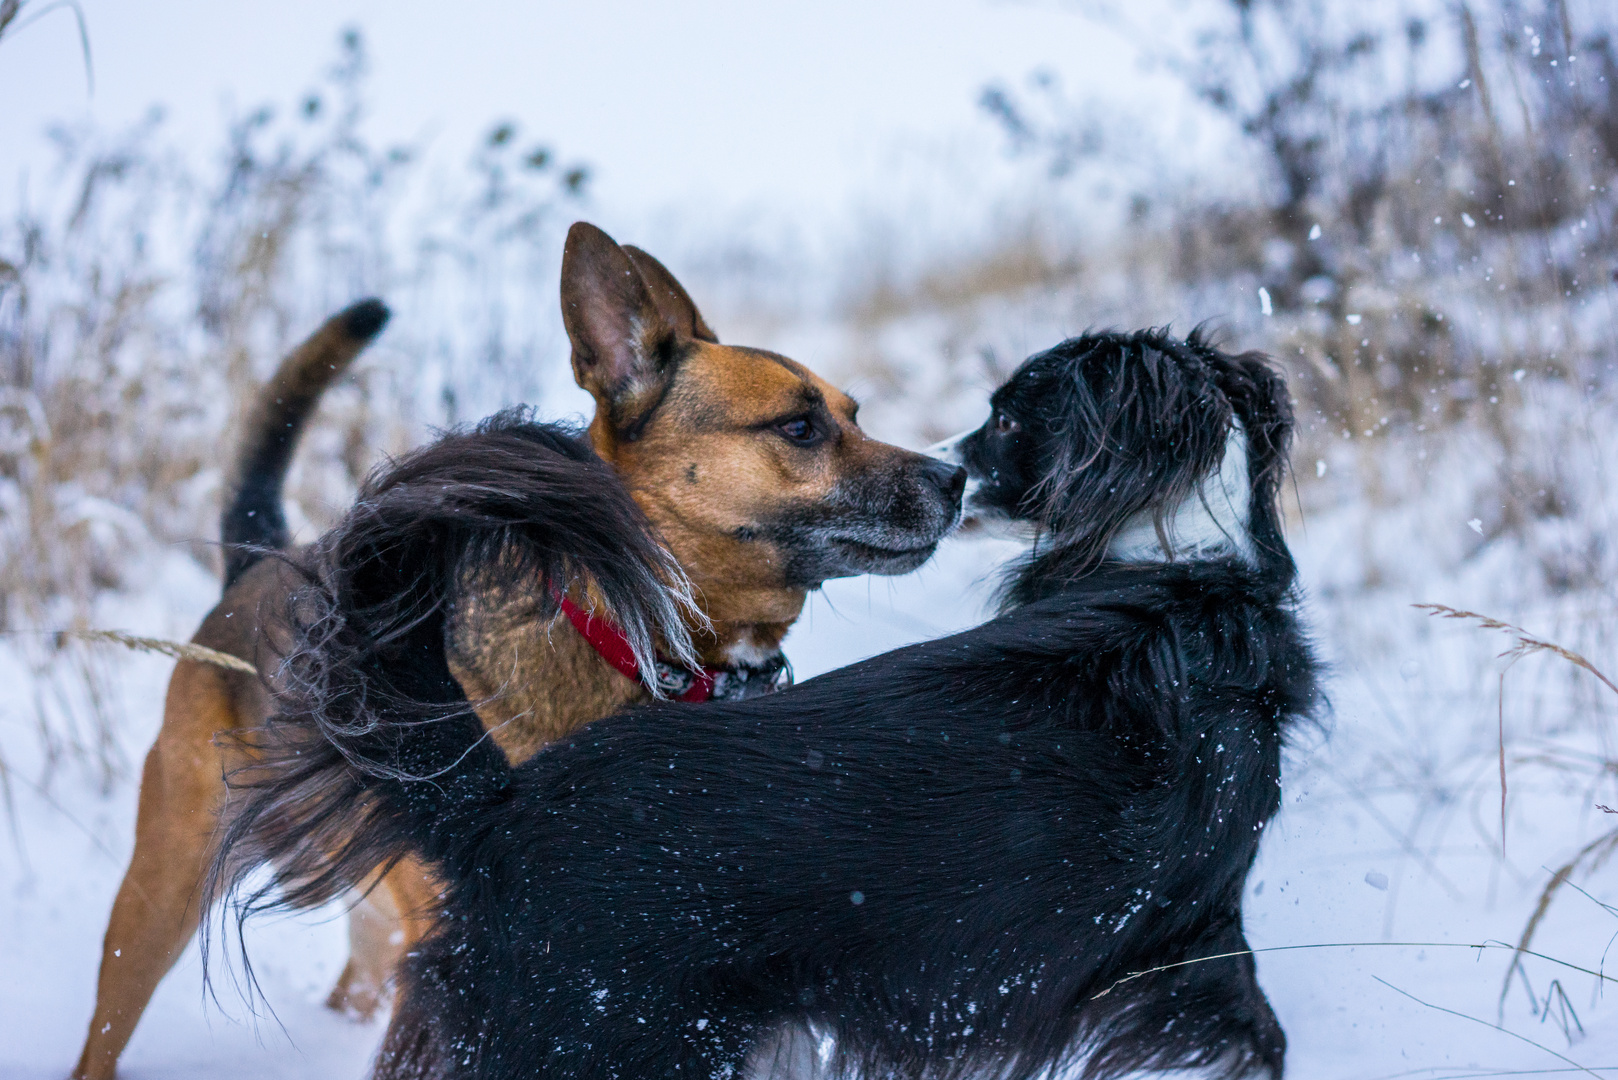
(1410, 205)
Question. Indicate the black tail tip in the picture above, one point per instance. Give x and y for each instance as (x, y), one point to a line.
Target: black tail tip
(365, 320)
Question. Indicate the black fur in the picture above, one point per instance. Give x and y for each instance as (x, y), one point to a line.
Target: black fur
(945, 858)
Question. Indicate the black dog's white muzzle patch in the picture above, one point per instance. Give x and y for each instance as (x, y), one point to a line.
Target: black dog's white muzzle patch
(986, 521)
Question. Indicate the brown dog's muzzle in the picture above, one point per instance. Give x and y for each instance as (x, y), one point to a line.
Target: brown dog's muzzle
(884, 520)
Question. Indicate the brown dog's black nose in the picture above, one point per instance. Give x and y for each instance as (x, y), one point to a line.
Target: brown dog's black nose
(949, 479)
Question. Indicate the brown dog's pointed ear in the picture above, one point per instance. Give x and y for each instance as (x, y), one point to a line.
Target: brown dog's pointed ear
(622, 342)
(670, 296)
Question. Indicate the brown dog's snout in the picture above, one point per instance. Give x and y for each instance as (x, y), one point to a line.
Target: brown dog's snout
(950, 480)
(926, 496)
(944, 481)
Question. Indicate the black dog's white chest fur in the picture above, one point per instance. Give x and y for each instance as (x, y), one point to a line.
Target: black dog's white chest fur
(943, 861)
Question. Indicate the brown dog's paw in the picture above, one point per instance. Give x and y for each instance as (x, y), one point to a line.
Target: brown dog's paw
(355, 996)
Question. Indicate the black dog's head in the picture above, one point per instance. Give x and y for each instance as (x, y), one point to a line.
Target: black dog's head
(1136, 446)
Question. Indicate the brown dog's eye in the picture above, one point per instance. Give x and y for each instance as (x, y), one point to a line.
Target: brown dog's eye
(799, 430)
(1004, 424)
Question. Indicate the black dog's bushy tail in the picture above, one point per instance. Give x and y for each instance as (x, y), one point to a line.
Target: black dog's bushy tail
(374, 750)
(253, 521)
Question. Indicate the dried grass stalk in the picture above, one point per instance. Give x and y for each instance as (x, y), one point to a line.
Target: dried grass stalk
(179, 650)
(1591, 856)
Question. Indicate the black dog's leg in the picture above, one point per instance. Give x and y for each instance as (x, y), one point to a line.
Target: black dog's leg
(1209, 1014)
(1238, 1017)
(1267, 1037)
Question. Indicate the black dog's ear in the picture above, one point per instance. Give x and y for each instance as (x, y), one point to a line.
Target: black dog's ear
(1259, 393)
(670, 296)
(623, 341)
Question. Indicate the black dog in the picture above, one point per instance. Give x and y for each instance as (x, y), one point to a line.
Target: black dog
(951, 860)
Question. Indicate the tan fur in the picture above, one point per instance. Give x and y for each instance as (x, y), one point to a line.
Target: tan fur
(534, 684)
(700, 467)
(181, 789)
(700, 470)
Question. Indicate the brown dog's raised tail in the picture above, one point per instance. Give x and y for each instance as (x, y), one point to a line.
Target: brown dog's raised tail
(253, 521)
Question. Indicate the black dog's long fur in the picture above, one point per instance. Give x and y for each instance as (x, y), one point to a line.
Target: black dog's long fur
(945, 858)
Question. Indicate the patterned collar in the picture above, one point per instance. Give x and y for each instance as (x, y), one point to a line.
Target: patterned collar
(676, 680)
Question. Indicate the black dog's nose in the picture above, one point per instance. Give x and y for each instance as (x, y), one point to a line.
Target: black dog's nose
(950, 479)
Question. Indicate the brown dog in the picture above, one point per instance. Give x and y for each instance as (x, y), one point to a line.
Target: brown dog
(752, 468)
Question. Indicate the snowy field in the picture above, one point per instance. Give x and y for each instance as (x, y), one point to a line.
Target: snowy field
(909, 197)
(1370, 887)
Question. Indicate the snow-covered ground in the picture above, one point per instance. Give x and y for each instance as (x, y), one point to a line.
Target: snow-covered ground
(1387, 850)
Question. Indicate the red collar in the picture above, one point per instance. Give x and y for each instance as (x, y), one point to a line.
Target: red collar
(605, 638)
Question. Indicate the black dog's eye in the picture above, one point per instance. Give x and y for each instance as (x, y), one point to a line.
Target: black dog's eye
(1004, 424)
(800, 430)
